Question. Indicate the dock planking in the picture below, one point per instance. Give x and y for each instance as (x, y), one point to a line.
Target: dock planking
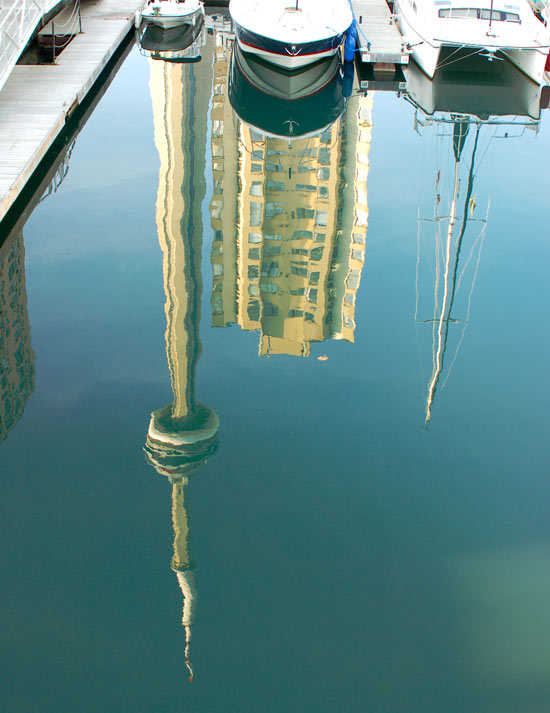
(378, 37)
(36, 100)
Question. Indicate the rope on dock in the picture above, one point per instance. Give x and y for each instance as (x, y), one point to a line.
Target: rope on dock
(358, 26)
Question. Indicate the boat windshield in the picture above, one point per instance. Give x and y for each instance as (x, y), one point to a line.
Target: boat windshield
(477, 13)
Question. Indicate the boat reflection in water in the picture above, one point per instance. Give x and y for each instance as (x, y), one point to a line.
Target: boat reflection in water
(285, 104)
(175, 44)
(466, 109)
(289, 210)
(184, 433)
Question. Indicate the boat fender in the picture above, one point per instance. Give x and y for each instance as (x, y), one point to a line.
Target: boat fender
(545, 98)
(137, 19)
(347, 82)
(351, 41)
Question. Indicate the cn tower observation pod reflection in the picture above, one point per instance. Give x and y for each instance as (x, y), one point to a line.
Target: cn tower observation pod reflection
(183, 434)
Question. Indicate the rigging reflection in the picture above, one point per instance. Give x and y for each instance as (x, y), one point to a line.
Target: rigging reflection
(466, 109)
(184, 433)
(289, 210)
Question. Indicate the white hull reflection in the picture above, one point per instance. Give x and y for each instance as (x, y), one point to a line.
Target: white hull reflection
(177, 44)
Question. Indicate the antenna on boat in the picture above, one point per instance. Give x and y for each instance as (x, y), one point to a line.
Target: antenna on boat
(490, 18)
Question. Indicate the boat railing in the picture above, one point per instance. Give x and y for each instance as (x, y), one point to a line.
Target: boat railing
(18, 20)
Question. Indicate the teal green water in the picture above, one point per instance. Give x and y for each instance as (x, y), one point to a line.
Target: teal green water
(345, 557)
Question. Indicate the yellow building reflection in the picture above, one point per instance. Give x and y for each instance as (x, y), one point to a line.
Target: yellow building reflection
(16, 354)
(289, 216)
(184, 433)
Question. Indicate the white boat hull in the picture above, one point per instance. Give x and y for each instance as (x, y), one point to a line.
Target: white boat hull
(287, 36)
(168, 15)
(287, 61)
(524, 43)
(425, 54)
(530, 62)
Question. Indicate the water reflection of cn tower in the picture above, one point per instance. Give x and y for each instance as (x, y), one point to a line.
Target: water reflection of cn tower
(184, 433)
(289, 210)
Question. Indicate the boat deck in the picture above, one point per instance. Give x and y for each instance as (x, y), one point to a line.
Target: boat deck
(378, 36)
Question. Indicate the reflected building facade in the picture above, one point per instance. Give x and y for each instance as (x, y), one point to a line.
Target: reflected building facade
(223, 206)
(289, 216)
(16, 354)
(184, 433)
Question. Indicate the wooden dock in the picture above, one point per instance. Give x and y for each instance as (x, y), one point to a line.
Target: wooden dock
(36, 100)
(378, 36)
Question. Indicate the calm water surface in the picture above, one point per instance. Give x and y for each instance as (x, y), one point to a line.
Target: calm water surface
(274, 412)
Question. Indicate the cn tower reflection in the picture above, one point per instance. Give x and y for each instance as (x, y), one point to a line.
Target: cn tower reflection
(184, 433)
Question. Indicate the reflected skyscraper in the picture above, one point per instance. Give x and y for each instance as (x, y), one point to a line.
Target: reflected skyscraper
(16, 354)
(289, 212)
(184, 433)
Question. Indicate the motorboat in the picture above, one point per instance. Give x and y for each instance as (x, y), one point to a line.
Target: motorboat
(491, 28)
(175, 44)
(291, 33)
(172, 13)
(305, 106)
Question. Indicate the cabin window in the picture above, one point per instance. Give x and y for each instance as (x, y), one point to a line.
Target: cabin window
(499, 16)
(254, 310)
(270, 269)
(270, 310)
(302, 234)
(476, 13)
(269, 287)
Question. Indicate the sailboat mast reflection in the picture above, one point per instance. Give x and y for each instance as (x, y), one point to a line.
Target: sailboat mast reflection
(450, 271)
(184, 433)
(458, 106)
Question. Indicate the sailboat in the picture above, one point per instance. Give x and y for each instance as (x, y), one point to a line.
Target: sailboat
(491, 28)
(291, 34)
(450, 242)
